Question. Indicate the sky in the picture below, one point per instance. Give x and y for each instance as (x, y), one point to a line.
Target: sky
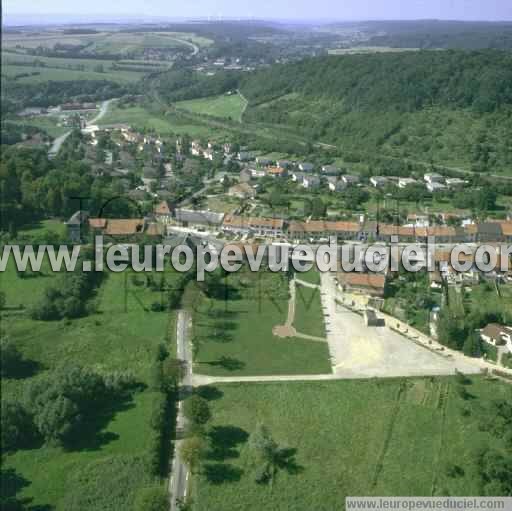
(268, 9)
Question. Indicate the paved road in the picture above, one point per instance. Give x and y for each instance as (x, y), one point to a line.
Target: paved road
(178, 482)
(103, 110)
(57, 143)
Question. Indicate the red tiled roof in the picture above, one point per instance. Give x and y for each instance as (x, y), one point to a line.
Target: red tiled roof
(367, 280)
(124, 226)
(163, 208)
(97, 223)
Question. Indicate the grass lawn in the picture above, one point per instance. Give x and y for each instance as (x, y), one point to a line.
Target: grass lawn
(309, 317)
(233, 333)
(312, 276)
(346, 438)
(47, 124)
(229, 107)
(121, 336)
(139, 118)
(484, 299)
(40, 228)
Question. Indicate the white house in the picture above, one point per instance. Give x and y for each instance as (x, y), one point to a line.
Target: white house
(497, 335)
(310, 182)
(298, 177)
(263, 161)
(330, 169)
(434, 187)
(334, 184)
(257, 173)
(379, 181)
(404, 182)
(195, 148)
(455, 183)
(433, 177)
(208, 154)
(306, 167)
(350, 179)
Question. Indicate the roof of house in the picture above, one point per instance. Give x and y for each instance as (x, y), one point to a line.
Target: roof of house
(323, 226)
(154, 229)
(275, 170)
(124, 226)
(506, 228)
(199, 216)
(495, 330)
(163, 208)
(437, 230)
(396, 230)
(271, 223)
(366, 280)
(97, 223)
(242, 221)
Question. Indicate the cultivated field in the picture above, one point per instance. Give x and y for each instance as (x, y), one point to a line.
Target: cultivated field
(386, 437)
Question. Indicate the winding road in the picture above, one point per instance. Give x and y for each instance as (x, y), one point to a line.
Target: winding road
(57, 143)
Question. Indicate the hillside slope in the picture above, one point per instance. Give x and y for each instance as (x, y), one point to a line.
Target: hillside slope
(448, 107)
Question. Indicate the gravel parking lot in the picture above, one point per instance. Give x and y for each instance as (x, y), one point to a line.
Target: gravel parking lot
(361, 351)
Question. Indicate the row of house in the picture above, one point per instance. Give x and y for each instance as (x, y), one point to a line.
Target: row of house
(315, 230)
(80, 223)
(434, 182)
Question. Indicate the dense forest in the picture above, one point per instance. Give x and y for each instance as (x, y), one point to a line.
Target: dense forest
(395, 81)
(32, 187)
(178, 85)
(15, 95)
(445, 107)
(428, 34)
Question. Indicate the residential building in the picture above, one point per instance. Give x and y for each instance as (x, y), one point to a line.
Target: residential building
(244, 156)
(379, 181)
(245, 175)
(372, 284)
(435, 186)
(497, 335)
(404, 182)
(257, 173)
(277, 172)
(433, 177)
(334, 184)
(163, 212)
(310, 182)
(330, 170)
(306, 167)
(350, 179)
(297, 177)
(455, 183)
(284, 164)
(264, 162)
(195, 148)
(198, 218)
(258, 226)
